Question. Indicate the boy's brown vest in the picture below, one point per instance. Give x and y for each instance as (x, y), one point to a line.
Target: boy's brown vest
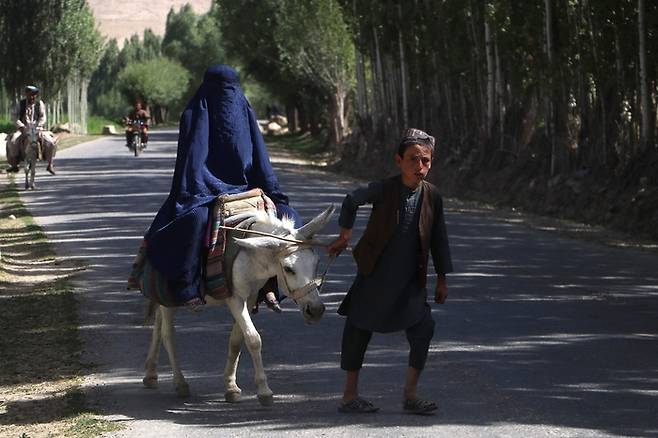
(383, 221)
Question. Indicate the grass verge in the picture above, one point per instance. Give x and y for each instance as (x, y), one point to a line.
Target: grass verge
(303, 146)
(40, 364)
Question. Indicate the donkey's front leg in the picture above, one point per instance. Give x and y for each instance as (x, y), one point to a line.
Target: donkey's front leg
(168, 333)
(150, 379)
(233, 391)
(33, 169)
(240, 312)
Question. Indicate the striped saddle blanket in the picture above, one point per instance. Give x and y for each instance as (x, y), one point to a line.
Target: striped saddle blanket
(227, 210)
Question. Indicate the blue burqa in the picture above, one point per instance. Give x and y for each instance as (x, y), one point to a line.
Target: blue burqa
(220, 151)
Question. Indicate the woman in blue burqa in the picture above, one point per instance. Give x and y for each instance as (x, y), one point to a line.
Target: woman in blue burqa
(220, 151)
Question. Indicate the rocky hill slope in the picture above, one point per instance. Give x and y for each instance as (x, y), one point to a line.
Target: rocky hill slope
(122, 18)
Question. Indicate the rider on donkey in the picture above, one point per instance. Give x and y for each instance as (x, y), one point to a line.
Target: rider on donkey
(220, 151)
(28, 110)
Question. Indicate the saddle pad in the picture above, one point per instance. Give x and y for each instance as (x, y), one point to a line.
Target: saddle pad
(231, 205)
(219, 264)
(151, 282)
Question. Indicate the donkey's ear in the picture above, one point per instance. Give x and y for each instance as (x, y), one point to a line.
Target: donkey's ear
(316, 224)
(268, 243)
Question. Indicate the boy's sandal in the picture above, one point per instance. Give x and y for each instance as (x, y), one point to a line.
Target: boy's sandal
(419, 406)
(357, 406)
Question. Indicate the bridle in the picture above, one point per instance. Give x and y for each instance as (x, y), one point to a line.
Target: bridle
(316, 283)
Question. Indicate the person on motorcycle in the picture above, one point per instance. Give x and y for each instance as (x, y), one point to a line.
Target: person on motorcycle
(29, 110)
(139, 113)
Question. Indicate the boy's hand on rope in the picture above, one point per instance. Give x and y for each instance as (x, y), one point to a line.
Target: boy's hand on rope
(341, 242)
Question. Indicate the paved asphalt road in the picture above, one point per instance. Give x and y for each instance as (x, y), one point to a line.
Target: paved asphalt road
(542, 336)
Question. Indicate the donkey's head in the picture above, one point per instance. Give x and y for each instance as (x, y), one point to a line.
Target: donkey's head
(32, 132)
(295, 264)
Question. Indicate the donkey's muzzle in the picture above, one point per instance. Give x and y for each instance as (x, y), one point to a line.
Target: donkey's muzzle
(314, 312)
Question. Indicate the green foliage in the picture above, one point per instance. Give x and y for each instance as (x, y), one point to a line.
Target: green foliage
(78, 45)
(151, 45)
(315, 43)
(95, 124)
(55, 40)
(190, 40)
(302, 51)
(258, 96)
(160, 81)
(90, 426)
(194, 41)
(7, 126)
(104, 96)
(302, 144)
(262, 60)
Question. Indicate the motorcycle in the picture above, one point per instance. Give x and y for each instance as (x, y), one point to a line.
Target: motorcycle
(136, 127)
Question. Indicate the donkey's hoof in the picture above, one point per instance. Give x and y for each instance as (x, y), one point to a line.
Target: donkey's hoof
(232, 396)
(150, 382)
(183, 390)
(266, 400)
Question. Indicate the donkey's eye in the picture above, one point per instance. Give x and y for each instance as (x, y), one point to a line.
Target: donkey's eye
(289, 270)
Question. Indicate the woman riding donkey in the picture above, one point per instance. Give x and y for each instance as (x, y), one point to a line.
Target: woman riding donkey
(30, 111)
(220, 151)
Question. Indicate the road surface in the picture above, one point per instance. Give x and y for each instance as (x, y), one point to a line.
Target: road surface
(542, 336)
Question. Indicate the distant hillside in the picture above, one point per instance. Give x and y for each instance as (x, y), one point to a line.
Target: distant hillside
(122, 18)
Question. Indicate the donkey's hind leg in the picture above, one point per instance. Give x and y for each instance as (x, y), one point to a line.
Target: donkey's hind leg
(233, 391)
(150, 379)
(168, 333)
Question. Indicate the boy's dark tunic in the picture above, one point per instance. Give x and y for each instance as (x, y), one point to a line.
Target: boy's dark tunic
(393, 297)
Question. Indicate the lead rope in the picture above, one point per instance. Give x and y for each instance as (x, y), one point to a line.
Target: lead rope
(286, 239)
(330, 260)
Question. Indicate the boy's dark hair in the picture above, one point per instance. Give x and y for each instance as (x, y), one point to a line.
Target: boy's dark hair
(415, 136)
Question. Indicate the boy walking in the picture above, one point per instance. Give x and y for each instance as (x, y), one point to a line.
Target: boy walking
(388, 293)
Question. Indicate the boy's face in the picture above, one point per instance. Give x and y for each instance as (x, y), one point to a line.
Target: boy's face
(414, 164)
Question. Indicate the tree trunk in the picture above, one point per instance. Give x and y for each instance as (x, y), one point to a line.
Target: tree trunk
(380, 94)
(338, 118)
(491, 77)
(645, 109)
(403, 76)
(550, 105)
(361, 86)
(477, 68)
(391, 93)
(500, 98)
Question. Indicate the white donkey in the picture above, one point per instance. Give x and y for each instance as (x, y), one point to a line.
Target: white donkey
(257, 260)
